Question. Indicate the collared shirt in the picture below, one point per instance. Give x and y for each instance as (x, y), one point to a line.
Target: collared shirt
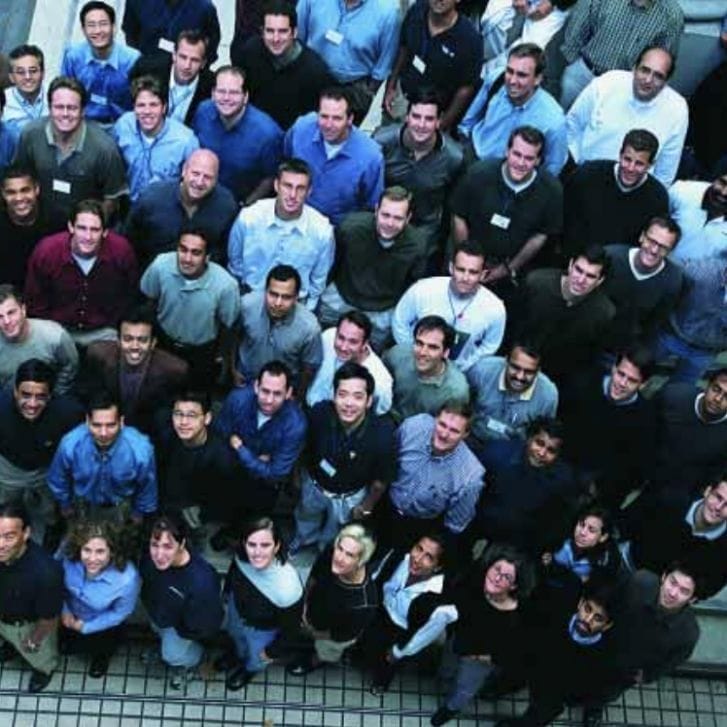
(58, 289)
(124, 471)
(321, 387)
(504, 414)
(281, 437)
(352, 180)
(711, 533)
(152, 159)
(294, 339)
(19, 111)
(355, 42)
(106, 80)
(180, 97)
(490, 134)
(249, 152)
(612, 35)
(478, 320)
(430, 484)
(428, 178)
(191, 311)
(93, 169)
(158, 216)
(607, 108)
(260, 240)
(101, 602)
(343, 462)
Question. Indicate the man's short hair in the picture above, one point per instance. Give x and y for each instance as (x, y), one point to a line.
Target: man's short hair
(195, 396)
(336, 93)
(690, 568)
(283, 273)
(294, 166)
(102, 399)
(656, 46)
(666, 222)
(360, 320)
(232, 70)
(194, 231)
(640, 356)
(525, 578)
(88, 206)
(529, 348)
(280, 7)
(192, 37)
(714, 372)
(276, 368)
(7, 291)
(172, 523)
(153, 85)
(554, 428)
(426, 95)
(140, 314)
(363, 536)
(595, 254)
(530, 135)
(15, 510)
(16, 171)
(97, 5)
(641, 140)
(469, 247)
(397, 193)
(606, 590)
(458, 407)
(33, 369)
(21, 51)
(353, 370)
(594, 508)
(529, 50)
(70, 84)
(436, 323)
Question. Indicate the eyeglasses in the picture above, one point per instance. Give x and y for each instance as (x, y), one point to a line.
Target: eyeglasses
(26, 71)
(102, 25)
(500, 575)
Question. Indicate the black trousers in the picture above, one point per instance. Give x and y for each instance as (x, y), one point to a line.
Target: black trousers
(100, 643)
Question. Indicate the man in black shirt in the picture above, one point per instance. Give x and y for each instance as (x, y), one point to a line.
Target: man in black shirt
(31, 584)
(350, 459)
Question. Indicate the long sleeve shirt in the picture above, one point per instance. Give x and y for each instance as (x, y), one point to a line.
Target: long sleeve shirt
(124, 471)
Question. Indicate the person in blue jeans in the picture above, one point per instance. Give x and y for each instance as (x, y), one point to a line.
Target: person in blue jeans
(264, 599)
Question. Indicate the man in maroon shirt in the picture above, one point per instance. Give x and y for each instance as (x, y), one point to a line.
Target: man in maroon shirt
(84, 278)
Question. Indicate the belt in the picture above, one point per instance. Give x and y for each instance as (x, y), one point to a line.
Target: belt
(14, 621)
(335, 495)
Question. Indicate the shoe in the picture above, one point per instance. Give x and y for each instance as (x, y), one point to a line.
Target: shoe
(221, 540)
(303, 667)
(179, 676)
(39, 681)
(99, 666)
(443, 715)
(238, 679)
(7, 652)
(592, 717)
(228, 660)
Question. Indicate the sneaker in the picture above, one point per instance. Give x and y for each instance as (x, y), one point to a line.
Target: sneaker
(442, 716)
(221, 540)
(99, 666)
(179, 676)
(592, 717)
(7, 652)
(39, 681)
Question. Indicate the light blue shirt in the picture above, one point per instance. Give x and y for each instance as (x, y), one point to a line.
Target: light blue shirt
(152, 160)
(356, 42)
(106, 80)
(259, 240)
(19, 111)
(490, 134)
(102, 602)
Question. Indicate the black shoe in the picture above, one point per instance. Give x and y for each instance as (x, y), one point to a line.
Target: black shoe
(226, 661)
(592, 717)
(303, 667)
(443, 715)
(221, 540)
(99, 666)
(238, 679)
(7, 652)
(38, 681)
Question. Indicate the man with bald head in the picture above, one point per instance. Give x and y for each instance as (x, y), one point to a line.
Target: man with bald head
(197, 200)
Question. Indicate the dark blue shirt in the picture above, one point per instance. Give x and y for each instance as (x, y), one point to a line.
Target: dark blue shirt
(249, 152)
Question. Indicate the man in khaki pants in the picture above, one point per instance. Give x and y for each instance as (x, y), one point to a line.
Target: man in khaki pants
(31, 597)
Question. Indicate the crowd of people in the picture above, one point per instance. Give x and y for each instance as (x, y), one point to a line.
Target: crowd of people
(473, 363)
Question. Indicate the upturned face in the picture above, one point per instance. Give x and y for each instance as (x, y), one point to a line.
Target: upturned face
(261, 549)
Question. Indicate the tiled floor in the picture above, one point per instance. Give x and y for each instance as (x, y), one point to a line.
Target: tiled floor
(133, 694)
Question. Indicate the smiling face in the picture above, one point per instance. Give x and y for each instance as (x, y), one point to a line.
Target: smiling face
(272, 392)
(500, 578)
(99, 30)
(655, 244)
(521, 79)
(150, 112)
(714, 508)
(350, 342)
(261, 549)
(95, 556)
(424, 558)
(335, 120)
(429, 352)
(676, 591)
(278, 34)
(187, 61)
(192, 256)
(521, 369)
(31, 399)
(633, 166)
(542, 450)
(66, 111)
(351, 401)
(392, 216)
(449, 430)
(21, 195)
(291, 190)
(229, 95)
(346, 557)
(87, 234)
(199, 175)
(190, 422)
(422, 123)
(521, 160)
(13, 319)
(26, 73)
(136, 341)
(626, 379)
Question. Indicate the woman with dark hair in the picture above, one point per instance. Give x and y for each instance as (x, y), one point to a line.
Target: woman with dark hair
(100, 591)
(489, 624)
(264, 599)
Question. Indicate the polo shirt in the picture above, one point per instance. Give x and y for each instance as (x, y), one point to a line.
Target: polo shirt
(154, 159)
(447, 61)
(352, 180)
(483, 199)
(31, 586)
(248, 152)
(503, 414)
(343, 462)
(260, 240)
(191, 311)
(94, 169)
(428, 178)
(294, 339)
(19, 111)
(158, 216)
(355, 42)
(106, 80)
(58, 289)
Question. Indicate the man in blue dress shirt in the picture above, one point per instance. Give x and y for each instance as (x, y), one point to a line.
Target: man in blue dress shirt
(101, 64)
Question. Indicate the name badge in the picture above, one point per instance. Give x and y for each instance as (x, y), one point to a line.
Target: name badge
(419, 64)
(101, 100)
(500, 221)
(327, 467)
(60, 185)
(167, 45)
(497, 426)
(334, 37)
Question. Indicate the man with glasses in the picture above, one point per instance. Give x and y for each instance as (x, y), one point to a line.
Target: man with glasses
(26, 98)
(618, 101)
